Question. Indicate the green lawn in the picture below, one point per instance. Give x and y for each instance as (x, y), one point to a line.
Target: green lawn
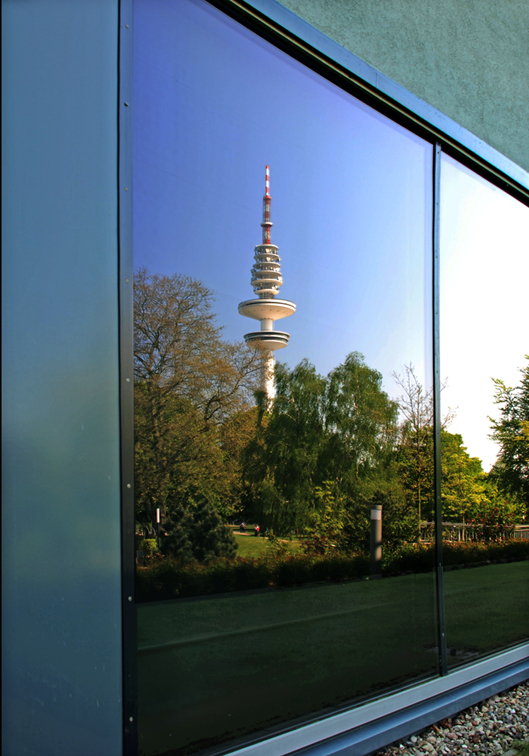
(486, 607)
(215, 668)
(250, 546)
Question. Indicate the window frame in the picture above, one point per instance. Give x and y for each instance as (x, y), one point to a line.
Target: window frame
(377, 723)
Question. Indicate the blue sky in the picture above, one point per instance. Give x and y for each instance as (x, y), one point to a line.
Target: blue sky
(351, 198)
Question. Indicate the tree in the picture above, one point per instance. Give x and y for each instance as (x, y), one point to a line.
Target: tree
(416, 445)
(360, 421)
(334, 434)
(235, 434)
(178, 349)
(464, 489)
(188, 382)
(416, 453)
(281, 462)
(185, 454)
(511, 432)
(195, 532)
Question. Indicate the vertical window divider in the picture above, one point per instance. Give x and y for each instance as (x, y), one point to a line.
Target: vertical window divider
(126, 381)
(441, 625)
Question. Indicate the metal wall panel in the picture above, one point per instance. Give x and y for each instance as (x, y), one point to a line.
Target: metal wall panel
(61, 514)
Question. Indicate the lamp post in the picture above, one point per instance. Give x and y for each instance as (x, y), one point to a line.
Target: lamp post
(376, 542)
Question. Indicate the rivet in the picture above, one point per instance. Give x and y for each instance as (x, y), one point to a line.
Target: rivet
(126, 104)
(130, 599)
(128, 485)
(126, 26)
(131, 719)
(126, 280)
(128, 380)
(126, 188)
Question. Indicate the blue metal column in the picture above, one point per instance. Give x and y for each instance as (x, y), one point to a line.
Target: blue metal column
(61, 596)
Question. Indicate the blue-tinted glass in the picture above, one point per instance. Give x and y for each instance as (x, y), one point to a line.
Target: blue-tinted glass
(298, 628)
(484, 271)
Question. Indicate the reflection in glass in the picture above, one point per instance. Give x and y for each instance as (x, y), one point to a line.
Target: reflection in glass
(485, 450)
(242, 630)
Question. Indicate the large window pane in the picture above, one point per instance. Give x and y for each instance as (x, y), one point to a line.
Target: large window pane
(484, 340)
(289, 626)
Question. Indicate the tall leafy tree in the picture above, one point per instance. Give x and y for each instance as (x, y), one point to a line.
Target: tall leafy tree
(464, 488)
(185, 455)
(281, 462)
(188, 383)
(416, 452)
(511, 432)
(360, 421)
(334, 434)
(178, 349)
(416, 444)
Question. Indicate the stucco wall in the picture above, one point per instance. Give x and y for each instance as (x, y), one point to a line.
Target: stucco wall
(467, 58)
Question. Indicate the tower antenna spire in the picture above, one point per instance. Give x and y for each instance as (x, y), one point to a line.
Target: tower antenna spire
(266, 280)
(267, 201)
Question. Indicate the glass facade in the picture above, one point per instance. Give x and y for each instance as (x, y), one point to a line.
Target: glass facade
(484, 270)
(283, 639)
(243, 632)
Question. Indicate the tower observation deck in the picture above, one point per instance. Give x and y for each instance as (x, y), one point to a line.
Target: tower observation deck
(266, 281)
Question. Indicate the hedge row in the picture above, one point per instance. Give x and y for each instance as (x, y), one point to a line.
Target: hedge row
(167, 578)
(415, 557)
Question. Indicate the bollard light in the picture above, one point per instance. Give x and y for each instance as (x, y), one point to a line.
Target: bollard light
(376, 542)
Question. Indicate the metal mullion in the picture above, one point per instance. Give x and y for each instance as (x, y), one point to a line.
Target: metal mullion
(126, 381)
(441, 624)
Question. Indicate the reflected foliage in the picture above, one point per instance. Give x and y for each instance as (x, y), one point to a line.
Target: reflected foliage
(472, 497)
(326, 446)
(312, 463)
(511, 432)
(464, 484)
(416, 444)
(191, 389)
(194, 530)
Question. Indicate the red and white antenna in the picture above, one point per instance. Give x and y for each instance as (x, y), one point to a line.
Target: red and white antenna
(266, 281)
(267, 201)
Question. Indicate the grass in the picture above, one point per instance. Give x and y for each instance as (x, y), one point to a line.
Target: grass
(250, 546)
(486, 607)
(215, 668)
(522, 748)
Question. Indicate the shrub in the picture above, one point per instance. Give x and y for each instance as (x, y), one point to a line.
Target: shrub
(169, 578)
(149, 546)
(408, 557)
(196, 532)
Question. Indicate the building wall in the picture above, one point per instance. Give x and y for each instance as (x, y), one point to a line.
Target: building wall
(61, 594)
(61, 486)
(470, 59)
